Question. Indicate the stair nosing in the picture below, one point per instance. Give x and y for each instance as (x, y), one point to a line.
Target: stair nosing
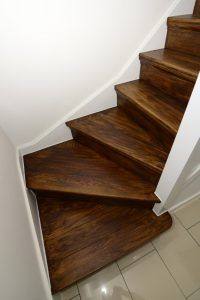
(142, 200)
(190, 76)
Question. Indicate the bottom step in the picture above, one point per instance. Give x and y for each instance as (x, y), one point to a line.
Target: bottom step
(81, 237)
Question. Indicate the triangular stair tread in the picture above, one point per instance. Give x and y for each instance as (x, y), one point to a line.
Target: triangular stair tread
(180, 64)
(82, 237)
(116, 130)
(160, 107)
(72, 168)
(185, 22)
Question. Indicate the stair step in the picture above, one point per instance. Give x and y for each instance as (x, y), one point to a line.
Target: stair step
(172, 72)
(116, 135)
(185, 22)
(80, 238)
(184, 34)
(197, 8)
(180, 64)
(149, 107)
(73, 169)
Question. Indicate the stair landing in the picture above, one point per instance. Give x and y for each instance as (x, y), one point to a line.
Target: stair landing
(82, 237)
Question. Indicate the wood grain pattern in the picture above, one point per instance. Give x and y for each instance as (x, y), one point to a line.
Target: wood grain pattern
(163, 109)
(184, 35)
(95, 193)
(100, 237)
(117, 133)
(180, 64)
(166, 82)
(197, 8)
(73, 169)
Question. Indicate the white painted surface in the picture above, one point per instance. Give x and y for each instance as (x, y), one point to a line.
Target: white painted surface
(22, 272)
(180, 180)
(57, 55)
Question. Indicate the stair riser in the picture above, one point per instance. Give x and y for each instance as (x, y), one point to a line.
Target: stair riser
(197, 8)
(167, 82)
(154, 126)
(186, 41)
(88, 198)
(119, 158)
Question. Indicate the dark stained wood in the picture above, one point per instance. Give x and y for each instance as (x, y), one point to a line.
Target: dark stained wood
(73, 169)
(184, 22)
(184, 35)
(77, 247)
(153, 109)
(197, 8)
(180, 64)
(95, 193)
(166, 82)
(117, 133)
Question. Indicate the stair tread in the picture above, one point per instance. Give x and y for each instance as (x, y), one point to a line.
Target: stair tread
(181, 64)
(70, 167)
(185, 21)
(115, 129)
(81, 238)
(157, 105)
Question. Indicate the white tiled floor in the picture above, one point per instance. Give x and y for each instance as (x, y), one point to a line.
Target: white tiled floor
(166, 269)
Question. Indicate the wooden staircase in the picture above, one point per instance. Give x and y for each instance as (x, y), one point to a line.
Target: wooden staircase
(95, 193)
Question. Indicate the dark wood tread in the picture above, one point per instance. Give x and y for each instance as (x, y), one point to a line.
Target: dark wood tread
(181, 64)
(81, 238)
(116, 131)
(73, 169)
(165, 110)
(189, 22)
(196, 11)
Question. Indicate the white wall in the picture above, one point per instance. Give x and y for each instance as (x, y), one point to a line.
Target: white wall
(21, 269)
(180, 180)
(57, 55)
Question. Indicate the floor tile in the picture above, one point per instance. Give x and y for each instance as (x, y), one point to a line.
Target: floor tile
(69, 293)
(76, 298)
(181, 254)
(135, 255)
(104, 285)
(56, 297)
(189, 214)
(195, 232)
(195, 296)
(148, 279)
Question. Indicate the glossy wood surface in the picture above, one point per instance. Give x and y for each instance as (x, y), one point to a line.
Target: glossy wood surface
(183, 65)
(197, 8)
(168, 83)
(118, 133)
(73, 169)
(82, 237)
(95, 193)
(184, 35)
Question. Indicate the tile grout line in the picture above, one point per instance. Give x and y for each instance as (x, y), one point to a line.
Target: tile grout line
(124, 281)
(193, 225)
(139, 258)
(171, 274)
(192, 293)
(174, 214)
(189, 231)
(78, 290)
